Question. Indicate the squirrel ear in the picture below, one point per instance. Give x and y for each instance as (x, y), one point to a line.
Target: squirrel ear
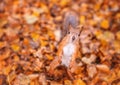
(80, 27)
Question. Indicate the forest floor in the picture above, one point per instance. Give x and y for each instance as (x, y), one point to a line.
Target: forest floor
(30, 31)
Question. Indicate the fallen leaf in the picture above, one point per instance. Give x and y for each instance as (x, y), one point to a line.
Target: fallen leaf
(82, 19)
(103, 68)
(35, 36)
(3, 44)
(57, 34)
(89, 60)
(49, 57)
(116, 45)
(64, 2)
(91, 69)
(33, 76)
(3, 79)
(42, 79)
(44, 8)
(22, 79)
(67, 82)
(30, 19)
(15, 47)
(7, 69)
(104, 24)
(11, 77)
(79, 82)
(5, 54)
(118, 35)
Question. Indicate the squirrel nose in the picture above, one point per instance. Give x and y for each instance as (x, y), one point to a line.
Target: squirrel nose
(73, 38)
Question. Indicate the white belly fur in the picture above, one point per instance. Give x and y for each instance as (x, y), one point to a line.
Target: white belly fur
(68, 50)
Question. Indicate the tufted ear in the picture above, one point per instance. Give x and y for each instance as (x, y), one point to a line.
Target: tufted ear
(80, 27)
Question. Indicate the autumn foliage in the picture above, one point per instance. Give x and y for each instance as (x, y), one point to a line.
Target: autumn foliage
(30, 31)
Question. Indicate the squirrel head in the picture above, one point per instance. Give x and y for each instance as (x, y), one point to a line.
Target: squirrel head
(74, 33)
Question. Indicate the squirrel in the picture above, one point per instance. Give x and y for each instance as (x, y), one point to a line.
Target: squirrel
(69, 47)
(68, 51)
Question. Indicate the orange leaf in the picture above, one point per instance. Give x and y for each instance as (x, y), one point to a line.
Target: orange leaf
(79, 82)
(7, 70)
(104, 24)
(15, 47)
(35, 36)
(64, 2)
(118, 35)
(67, 82)
(49, 57)
(82, 19)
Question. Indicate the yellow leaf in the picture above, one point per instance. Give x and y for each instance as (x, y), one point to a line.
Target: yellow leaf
(52, 47)
(79, 82)
(44, 7)
(43, 42)
(67, 82)
(93, 22)
(51, 34)
(116, 45)
(98, 33)
(15, 47)
(49, 57)
(7, 70)
(118, 35)
(35, 14)
(64, 2)
(97, 6)
(104, 24)
(82, 19)
(35, 36)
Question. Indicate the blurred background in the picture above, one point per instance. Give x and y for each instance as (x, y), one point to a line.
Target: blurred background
(30, 31)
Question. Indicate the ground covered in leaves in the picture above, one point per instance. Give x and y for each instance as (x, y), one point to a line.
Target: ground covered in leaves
(30, 31)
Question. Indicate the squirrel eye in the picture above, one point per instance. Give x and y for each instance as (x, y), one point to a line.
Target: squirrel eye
(68, 32)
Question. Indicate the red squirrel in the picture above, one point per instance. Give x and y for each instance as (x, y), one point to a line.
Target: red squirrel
(69, 47)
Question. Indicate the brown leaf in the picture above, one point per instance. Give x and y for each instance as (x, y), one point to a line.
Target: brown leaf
(22, 80)
(103, 68)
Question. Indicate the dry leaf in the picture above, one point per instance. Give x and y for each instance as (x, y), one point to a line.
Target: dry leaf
(49, 57)
(15, 47)
(64, 2)
(67, 82)
(91, 69)
(30, 19)
(35, 36)
(79, 82)
(103, 68)
(104, 24)
(82, 19)
(89, 60)
(118, 35)
(22, 80)
(116, 45)
(42, 79)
